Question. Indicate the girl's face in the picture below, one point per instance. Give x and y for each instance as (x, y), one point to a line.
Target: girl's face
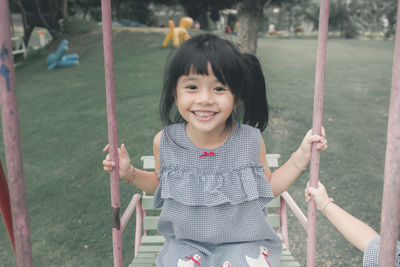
(204, 102)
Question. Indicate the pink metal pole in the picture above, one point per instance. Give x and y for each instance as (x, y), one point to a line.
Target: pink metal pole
(317, 122)
(391, 187)
(295, 209)
(284, 228)
(12, 142)
(112, 130)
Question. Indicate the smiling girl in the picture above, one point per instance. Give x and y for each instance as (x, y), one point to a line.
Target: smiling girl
(211, 175)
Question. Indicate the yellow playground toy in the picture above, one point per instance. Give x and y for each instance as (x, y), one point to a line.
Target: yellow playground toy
(178, 34)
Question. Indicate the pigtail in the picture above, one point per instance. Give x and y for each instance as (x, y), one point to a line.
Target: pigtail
(254, 98)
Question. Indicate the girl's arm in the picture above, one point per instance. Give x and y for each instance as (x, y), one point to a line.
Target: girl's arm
(143, 180)
(281, 179)
(355, 231)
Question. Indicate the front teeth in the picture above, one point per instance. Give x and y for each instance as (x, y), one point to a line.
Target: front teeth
(204, 114)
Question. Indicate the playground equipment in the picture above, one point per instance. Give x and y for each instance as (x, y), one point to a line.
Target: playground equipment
(12, 143)
(390, 219)
(18, 46)
(147, 244)
(9, 112)
(178, 34)
(5, 207)
(58, 59)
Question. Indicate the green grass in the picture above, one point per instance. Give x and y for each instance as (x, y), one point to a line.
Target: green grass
(64, 128)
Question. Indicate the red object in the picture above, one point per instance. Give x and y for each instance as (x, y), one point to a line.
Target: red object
(191, 258)
(5, 207)
(206, 154)
(266, 257)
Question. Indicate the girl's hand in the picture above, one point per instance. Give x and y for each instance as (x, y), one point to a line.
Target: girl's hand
(320, 195)
(123, 158)
(305, 146)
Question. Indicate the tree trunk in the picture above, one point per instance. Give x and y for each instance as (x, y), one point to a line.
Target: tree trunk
(64, 8)
(250, 13)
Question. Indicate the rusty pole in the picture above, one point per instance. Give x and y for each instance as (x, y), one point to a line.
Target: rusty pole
(12, 142)
(391, 187)
(112, 130)
(317, 123)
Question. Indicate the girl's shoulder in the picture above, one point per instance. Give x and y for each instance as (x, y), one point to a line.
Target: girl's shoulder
(248, 132)
(174, 127)
(249, 128)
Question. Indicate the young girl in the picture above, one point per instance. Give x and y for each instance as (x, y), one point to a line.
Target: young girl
(211, 175)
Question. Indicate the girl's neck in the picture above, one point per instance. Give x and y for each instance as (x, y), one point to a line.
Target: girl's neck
(208, 140)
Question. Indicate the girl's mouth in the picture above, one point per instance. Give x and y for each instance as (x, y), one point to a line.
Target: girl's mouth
(204, 115)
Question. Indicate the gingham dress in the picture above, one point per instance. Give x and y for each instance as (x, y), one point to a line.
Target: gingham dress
(214, 202)
(371, 253)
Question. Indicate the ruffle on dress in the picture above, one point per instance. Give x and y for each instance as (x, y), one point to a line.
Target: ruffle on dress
(198, 187)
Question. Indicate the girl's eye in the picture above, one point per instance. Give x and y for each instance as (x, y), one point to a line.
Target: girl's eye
(191, 87)
(219, 89)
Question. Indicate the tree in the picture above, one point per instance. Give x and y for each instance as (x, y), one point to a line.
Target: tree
(41, 13)
(201, 10)
(250, 13)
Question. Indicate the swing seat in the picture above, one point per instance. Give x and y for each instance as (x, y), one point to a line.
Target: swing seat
(148, 242)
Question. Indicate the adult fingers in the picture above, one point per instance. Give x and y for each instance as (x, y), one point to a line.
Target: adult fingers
(307, 194)
(312, 191)
(107, 169)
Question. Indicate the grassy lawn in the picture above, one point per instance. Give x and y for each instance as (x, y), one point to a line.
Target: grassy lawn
(64, 128)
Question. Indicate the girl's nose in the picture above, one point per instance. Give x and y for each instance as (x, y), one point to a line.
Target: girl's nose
(205, 97)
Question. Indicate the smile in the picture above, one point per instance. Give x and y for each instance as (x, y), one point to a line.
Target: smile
(204, 115)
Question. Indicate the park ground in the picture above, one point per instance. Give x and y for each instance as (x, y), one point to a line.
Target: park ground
(64, 128)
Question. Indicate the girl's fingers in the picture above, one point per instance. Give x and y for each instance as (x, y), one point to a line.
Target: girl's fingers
(108, 163)
(322, 145)
(123, 148)
(105, 149)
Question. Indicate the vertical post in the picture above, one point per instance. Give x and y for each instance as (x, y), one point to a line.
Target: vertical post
(317, 122)
(5, 207)
(391, 187)
(12, 142)
(112, 130)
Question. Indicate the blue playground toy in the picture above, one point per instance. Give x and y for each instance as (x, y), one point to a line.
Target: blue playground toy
(58, 59)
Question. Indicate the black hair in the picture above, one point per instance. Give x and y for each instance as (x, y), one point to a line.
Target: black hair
(239, 71)
(257, 97)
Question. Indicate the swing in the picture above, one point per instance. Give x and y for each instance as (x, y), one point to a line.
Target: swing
(147, 246)
(9, 112)
(148, 242)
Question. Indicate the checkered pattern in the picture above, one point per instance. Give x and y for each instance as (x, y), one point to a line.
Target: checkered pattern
(371, 253)
(213, 206)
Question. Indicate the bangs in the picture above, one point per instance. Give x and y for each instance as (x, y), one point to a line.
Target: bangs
(194, 57)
